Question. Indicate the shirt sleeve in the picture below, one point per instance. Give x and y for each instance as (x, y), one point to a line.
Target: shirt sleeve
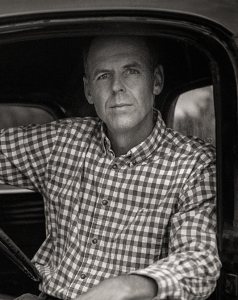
(24, 153)
(191, 269)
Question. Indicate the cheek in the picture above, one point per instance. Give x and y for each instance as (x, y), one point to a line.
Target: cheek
(99, 101)
(100, 91)
(142, 91)
(140, 84)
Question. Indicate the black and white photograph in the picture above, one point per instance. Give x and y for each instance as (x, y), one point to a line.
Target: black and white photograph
(118, 150)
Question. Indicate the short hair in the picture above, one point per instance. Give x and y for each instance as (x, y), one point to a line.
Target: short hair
(155, 53)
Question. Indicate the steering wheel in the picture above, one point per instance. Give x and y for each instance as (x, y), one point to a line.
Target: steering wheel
(11, 250)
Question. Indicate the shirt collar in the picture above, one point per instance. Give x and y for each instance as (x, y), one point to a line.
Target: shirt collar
(144, 149)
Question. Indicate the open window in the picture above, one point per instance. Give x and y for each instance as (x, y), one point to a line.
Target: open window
(193, 114)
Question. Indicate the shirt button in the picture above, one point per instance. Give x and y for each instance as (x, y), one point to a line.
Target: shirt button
(104, 202)
(83, 276)
(114, 166)
(94, 241)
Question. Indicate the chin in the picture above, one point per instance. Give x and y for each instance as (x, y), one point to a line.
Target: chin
(124, 126)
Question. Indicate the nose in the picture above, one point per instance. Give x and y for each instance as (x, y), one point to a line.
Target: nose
(117, 84)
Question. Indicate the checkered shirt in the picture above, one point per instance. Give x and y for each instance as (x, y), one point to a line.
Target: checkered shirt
(149, 212)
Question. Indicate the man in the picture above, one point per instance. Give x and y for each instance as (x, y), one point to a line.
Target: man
(129, 203)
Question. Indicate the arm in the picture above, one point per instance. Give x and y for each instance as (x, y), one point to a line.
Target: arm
(125, 287)
(192, 266)
(24, 153)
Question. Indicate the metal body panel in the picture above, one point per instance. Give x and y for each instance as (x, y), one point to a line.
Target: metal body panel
(223, 12)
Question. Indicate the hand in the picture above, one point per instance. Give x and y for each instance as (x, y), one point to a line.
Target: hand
(126, 287)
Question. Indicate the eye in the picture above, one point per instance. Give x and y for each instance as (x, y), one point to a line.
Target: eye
(103, 76)
(131, 71)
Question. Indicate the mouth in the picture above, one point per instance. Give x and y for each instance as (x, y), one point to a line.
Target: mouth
(121, 105)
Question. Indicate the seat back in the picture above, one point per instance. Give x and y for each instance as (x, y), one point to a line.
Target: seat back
(15, 114)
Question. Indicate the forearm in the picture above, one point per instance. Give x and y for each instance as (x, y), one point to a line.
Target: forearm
(125, 287)
(141, 287)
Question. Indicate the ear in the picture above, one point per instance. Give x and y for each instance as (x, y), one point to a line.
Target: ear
(158, 80)
(87, 92)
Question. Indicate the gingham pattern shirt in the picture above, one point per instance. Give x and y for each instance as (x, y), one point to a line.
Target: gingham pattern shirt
(148, 212)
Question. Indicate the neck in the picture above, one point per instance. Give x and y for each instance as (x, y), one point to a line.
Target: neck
(125, 140)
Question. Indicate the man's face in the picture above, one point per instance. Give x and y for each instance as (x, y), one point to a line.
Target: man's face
(121, 83)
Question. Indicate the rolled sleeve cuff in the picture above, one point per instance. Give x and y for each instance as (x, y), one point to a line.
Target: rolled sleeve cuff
(168, 285)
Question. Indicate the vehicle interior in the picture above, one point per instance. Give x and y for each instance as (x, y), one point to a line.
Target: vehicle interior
(41, 81)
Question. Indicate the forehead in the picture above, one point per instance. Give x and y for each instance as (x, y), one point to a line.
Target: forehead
(108, 49)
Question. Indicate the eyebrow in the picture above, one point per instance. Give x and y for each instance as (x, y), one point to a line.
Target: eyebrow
(132, 65)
